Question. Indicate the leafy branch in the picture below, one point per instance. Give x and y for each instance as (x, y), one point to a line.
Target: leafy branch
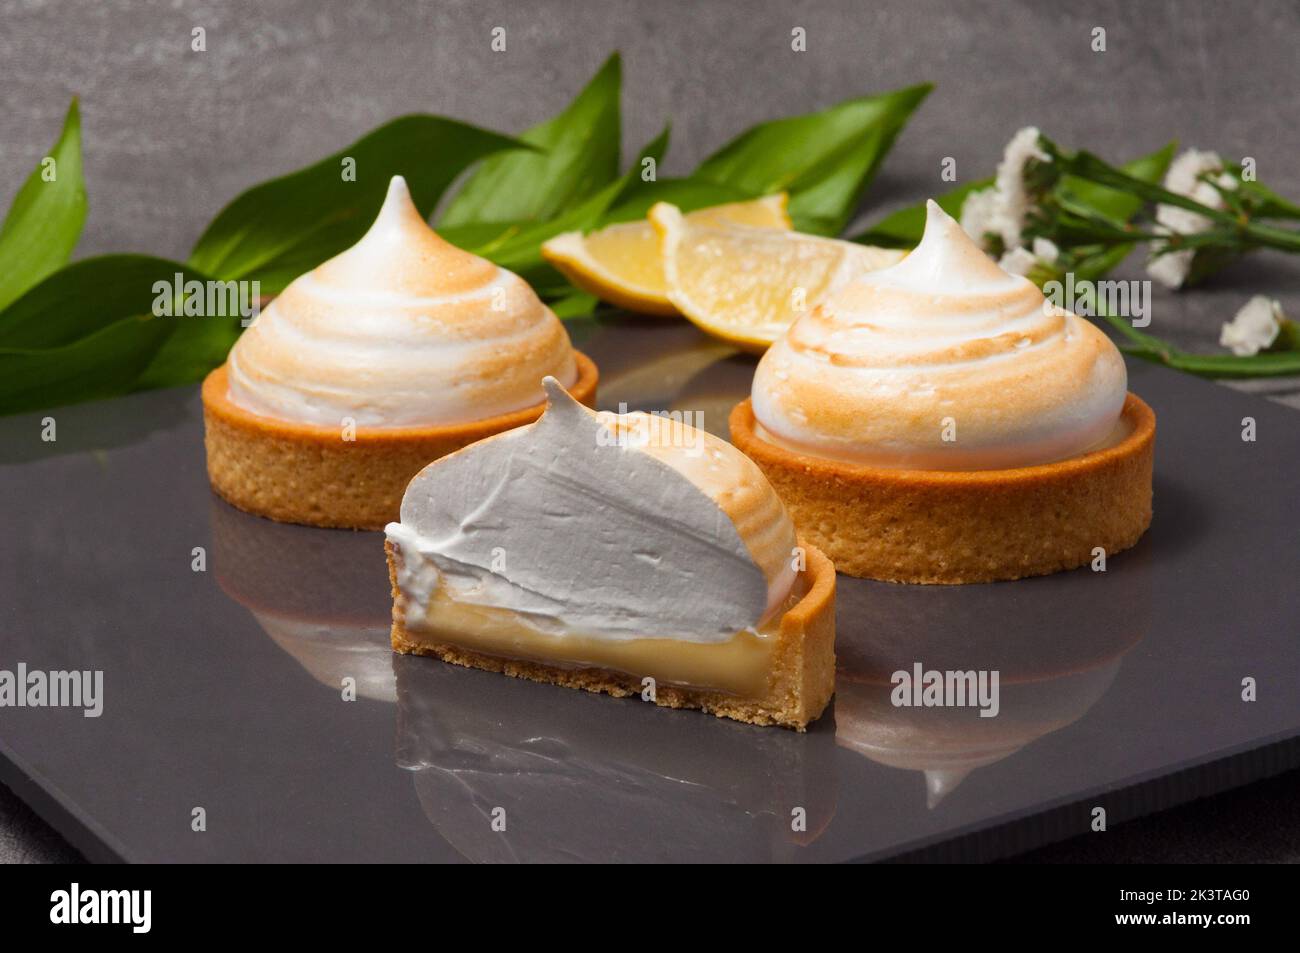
(1092, 215)
(102, 338)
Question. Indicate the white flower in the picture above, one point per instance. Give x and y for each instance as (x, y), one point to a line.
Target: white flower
(1002, 209)
(1185, 178)
(1046, 251)
(979, 214)
(1018, 261)
(1172, 268)
(1255, 327)
(1010, 182)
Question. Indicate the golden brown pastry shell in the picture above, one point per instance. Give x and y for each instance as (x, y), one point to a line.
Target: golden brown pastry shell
(304, 473)
(964, 526)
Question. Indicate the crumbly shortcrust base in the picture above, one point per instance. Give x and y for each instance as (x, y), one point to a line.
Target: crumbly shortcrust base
(939, 527)
(300, 473)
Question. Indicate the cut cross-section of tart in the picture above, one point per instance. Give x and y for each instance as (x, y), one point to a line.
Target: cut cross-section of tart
(628, 554)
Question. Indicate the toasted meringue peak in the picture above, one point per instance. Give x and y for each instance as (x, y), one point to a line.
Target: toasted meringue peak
(944, 361)
(403, 329)
(607, 525)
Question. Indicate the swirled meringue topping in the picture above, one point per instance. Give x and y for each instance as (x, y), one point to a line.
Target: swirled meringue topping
(402, 329)
(941, 362)
(607, 526)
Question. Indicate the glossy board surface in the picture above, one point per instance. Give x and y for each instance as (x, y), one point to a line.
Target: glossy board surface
(223, 689)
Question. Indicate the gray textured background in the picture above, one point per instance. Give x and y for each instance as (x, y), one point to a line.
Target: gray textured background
(171, 135)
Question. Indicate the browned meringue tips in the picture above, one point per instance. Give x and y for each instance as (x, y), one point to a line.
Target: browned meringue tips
(940, 422)
(397, 351)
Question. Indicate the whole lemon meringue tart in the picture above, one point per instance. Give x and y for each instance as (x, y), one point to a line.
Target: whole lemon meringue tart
(627, 554)
(940, 421)
(391, 354)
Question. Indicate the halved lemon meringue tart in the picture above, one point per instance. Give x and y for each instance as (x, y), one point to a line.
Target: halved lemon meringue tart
(627, 554)
(940, 421)
(391, 354)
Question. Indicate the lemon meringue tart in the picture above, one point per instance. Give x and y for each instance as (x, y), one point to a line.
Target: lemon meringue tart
(395, 352)
(940, 421)
(627, 554)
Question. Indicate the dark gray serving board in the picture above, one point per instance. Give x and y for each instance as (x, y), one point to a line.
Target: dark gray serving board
(222, 688)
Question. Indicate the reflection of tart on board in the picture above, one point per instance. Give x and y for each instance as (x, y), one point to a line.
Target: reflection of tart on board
(568, 777)
(320, 595)
(1051, 672)
(946, 744)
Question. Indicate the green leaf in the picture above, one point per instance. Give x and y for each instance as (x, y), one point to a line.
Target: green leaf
(579, 154)
(276, 231)
(124, 309)
(1265, 364)
(1115, 204)
(1265, 203)
(825, 160)
(104, 364)
(45, 220)
(1151, 348)
(575, 305)
(198, 344)
(687, 194)
(904, 228)
(1097, 265)
(85, 332)
(1084, 165)
(519, 247)
(1288, 338)
(1241, 234)
(1139, 341)
(83, 299)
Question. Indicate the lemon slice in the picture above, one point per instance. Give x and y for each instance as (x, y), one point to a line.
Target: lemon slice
(621, 264)
(747, 285)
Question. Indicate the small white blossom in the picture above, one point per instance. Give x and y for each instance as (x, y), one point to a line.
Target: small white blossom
(1172, 268)
(1018, 261)
(1255, 327)
(979, 214)
(1010, 182)
(1046, 251)
(1185, 178)
(1003, 208)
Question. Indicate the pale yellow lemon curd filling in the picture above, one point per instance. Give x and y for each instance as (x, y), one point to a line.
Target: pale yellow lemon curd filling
(741, 666)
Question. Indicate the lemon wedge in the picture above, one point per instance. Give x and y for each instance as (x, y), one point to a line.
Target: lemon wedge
(621, 264)
(747, 285)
